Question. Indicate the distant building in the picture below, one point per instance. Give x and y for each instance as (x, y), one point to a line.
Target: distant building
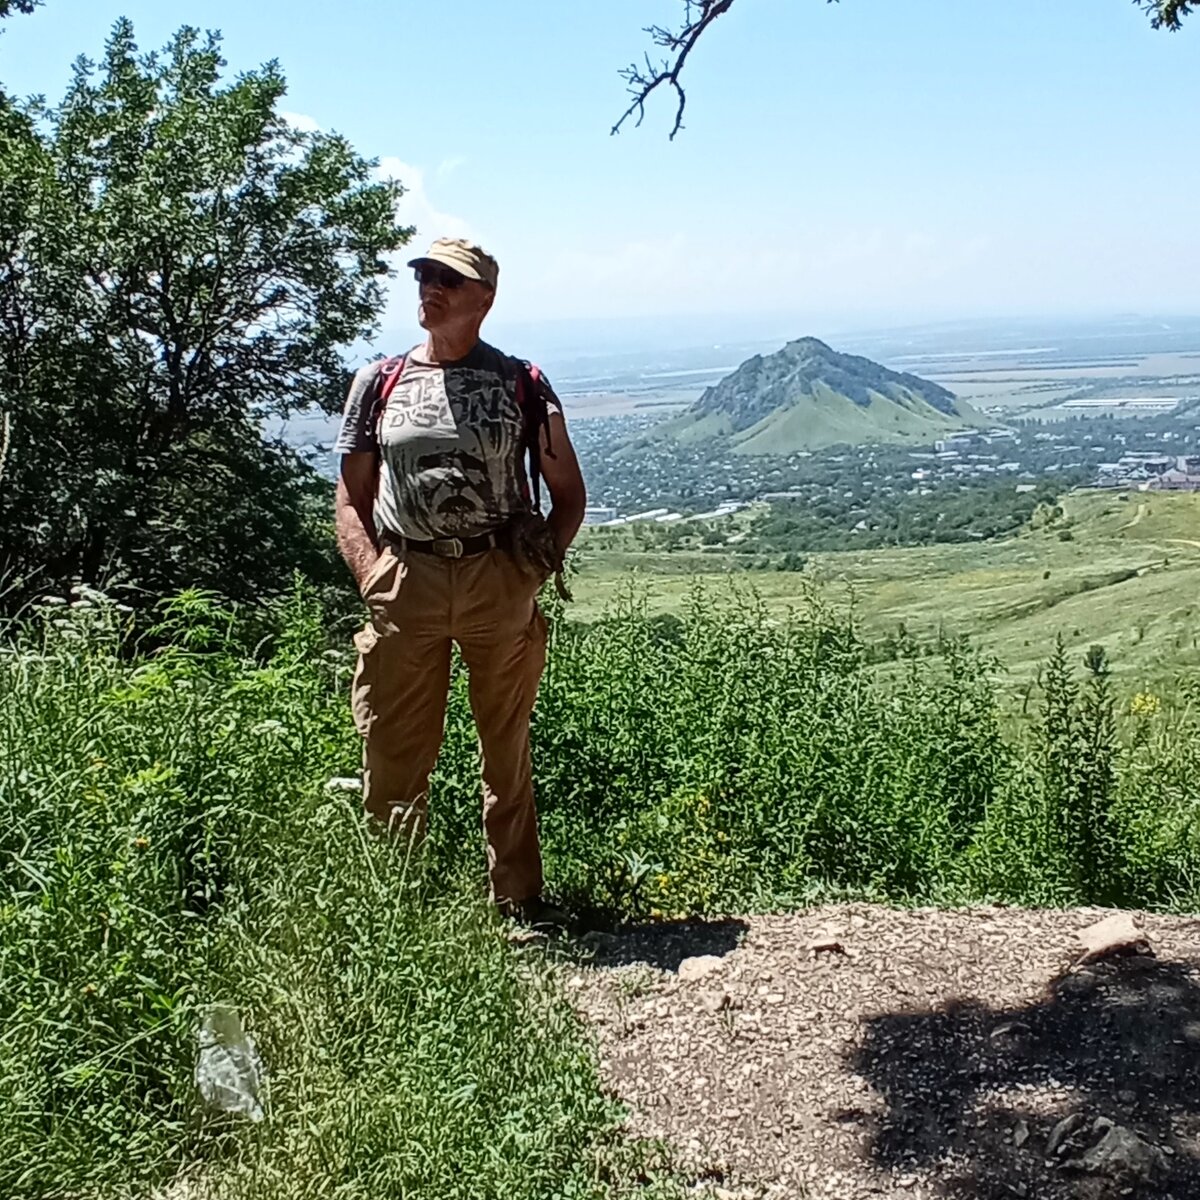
(1140, 404)
(599, 516)
(1152, 464)
(727, 509)
(1152, 473)
(1174, 481)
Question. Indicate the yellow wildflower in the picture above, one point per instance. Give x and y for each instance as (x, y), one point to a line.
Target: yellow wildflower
(1145, 704)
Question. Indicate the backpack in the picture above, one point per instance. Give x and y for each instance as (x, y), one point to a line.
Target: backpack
(531, 400)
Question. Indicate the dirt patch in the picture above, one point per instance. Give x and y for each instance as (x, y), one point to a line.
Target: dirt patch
(856, 1051)
(1142, 510)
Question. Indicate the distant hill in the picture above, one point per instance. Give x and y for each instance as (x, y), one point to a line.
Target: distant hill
(806, 396)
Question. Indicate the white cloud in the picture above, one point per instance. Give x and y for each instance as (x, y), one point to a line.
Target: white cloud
(301, 122)
(417, 207)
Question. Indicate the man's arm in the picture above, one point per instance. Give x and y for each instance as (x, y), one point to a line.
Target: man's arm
(354, 515)
(564, 481)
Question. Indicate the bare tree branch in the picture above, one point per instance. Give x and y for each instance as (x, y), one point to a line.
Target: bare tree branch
(700, 14)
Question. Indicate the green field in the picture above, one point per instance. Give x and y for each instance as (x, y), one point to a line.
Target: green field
(1128, 578)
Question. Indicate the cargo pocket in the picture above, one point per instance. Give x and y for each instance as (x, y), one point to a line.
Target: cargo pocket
(362, 688)
(375, 574)
(381, 592)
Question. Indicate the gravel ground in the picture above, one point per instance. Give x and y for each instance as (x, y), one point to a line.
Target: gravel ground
(855, 1050)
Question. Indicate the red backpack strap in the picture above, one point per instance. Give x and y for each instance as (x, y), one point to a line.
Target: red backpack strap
(386, 379)
(531, 400)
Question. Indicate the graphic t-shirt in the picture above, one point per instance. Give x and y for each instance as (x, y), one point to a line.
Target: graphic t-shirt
(451, 442)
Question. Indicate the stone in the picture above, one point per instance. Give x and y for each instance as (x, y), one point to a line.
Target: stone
(1061, 1131)
(1123, 1155)
(1008, 1029)
(1117, 934)
(598, 942)
(1020, 1134)
(825, 943)
(716, 1001)
(698, 967)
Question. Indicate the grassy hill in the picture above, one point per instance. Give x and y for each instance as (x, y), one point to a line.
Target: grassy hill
(807, 396)
(1128, 578)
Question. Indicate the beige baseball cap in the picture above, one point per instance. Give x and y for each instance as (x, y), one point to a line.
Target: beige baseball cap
(464, 257)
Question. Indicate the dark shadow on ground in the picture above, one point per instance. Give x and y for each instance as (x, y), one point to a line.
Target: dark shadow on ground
(661, 944)
(1121, 1038)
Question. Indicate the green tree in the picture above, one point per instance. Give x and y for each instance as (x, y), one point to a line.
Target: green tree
(178, 264)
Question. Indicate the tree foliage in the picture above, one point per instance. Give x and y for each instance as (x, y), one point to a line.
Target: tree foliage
(1166, 14)
(178, 263)
(699, 15)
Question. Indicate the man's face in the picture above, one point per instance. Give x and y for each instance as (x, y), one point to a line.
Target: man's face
(450, 301)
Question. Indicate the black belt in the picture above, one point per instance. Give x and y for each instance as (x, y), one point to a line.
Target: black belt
(443, 547)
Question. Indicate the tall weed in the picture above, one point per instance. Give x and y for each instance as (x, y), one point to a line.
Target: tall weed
(167, 844)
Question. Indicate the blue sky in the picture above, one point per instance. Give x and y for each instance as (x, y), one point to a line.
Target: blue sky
(862, 163)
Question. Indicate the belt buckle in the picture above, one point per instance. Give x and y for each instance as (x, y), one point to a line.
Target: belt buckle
(448, 547)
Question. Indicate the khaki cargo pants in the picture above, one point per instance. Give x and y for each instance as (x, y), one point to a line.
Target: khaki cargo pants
(419, 604)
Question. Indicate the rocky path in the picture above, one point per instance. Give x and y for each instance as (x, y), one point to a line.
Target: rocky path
(856, 1051)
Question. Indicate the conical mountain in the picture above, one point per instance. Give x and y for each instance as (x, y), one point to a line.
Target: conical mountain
(807, 395)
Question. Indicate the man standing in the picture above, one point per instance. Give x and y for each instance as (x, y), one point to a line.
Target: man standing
(434, 518)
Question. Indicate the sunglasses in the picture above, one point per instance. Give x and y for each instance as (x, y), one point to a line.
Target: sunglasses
(442, 277)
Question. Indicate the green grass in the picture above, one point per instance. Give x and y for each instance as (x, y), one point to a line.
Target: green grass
(168, 844)
(1133, 588)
